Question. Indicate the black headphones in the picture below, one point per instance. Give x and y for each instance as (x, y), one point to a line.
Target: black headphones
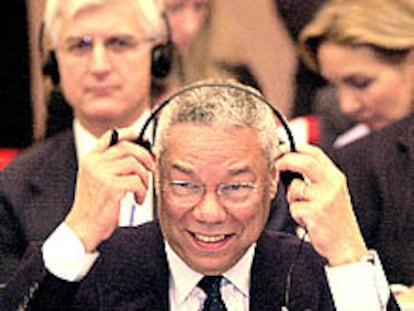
(286, 177)
(161, 56)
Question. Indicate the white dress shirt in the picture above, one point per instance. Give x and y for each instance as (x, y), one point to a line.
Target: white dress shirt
(186, 296)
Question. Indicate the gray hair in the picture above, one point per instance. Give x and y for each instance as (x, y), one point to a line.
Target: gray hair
(223, 104)
(148, 13)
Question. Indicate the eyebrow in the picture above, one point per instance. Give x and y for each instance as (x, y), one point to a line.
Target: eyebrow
(182, 169)
(105, 37)
(232, 172)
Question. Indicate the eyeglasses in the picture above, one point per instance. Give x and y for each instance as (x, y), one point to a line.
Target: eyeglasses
(81, 46)
(187, 194)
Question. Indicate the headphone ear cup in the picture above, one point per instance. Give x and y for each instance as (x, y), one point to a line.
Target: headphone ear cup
(161, 60)
(50, 68)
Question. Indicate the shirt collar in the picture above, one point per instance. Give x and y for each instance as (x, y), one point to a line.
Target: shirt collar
(85, 141)
(183, 279)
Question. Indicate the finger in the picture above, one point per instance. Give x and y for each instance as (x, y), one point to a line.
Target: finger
(133, 184)
(128, 149)
(129, 166)
(298, 210)
(304, 164)
(103, 142)
(299, 190)
(113, 137)
(315, 152)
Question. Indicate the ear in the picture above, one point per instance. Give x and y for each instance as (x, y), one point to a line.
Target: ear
(157, 177)
(410, 63)
(274, 180)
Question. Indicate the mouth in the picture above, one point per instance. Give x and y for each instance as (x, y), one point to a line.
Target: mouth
(209, 238)
(102, 90)
(211, 242)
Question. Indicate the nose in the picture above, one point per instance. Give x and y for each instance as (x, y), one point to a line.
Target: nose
(209, 209)
(348, 101)
(100, 60)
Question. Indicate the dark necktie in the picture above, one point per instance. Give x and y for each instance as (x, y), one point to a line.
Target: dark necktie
(211, 286)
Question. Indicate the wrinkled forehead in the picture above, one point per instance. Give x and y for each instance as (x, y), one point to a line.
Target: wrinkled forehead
(74, 7)
(198, 140)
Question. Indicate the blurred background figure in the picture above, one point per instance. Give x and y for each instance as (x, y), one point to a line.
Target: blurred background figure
(187, 19)
(295, 14)
(104, 71)
(315, 116)
(365, 49)
(192, 26)
(218, 39)
(367, 56)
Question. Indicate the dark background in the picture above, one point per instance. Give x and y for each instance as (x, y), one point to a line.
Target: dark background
(15, 103)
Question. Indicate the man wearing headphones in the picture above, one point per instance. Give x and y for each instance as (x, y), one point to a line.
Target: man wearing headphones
(104, 53)
(216, 162)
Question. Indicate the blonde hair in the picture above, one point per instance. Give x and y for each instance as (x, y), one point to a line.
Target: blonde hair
(387, 26)
(148, 13)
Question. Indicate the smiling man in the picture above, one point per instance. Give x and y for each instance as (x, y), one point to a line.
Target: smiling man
(216, 164)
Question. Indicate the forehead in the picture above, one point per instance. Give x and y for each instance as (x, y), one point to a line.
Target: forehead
(332, 58)
(212, 147)
(183, 2)
(119, 17)
(74, 7)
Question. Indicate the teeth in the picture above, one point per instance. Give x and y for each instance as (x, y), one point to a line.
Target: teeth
(210, 239)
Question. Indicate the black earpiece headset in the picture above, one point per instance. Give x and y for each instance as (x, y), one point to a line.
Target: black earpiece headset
(286, 177)
(161, 56)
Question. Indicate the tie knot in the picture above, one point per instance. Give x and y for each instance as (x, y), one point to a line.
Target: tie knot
(210, 284)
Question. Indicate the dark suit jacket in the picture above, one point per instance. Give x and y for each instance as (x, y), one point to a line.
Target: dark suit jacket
(36, 192)
(132, 274)
(380, 172)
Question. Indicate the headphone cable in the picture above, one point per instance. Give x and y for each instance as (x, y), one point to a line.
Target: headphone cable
(290, 270)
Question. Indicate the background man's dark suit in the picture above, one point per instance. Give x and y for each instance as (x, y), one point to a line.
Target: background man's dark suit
(36, 193)
(132, 274)
(380, 172)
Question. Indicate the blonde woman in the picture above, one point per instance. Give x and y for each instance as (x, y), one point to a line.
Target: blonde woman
(365, 49)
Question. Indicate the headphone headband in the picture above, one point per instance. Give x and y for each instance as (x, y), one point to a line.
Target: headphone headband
(258, 96)
(286, 177)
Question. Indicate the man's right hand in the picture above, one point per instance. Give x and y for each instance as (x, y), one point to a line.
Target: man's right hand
(105, 175)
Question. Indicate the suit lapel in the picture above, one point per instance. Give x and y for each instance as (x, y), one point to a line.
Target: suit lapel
(139, 278)
(266, 293)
